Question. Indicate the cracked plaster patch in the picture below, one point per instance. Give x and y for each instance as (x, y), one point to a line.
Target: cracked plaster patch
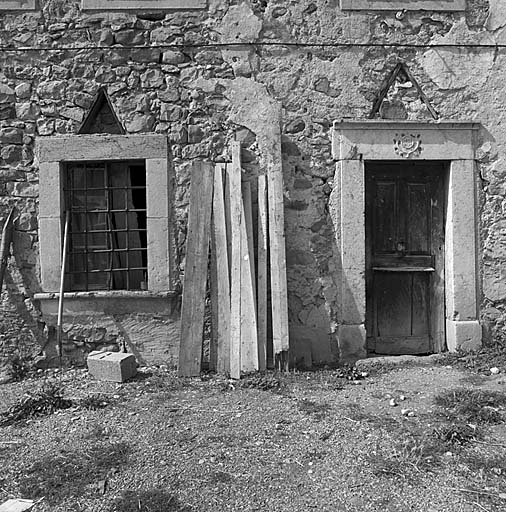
(496, 15)
(457, 68)
(251, 104)
(240, 25)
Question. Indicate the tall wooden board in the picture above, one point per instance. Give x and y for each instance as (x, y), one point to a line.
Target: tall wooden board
(220, 282)
(279, 299)
(249, 341)
(195, 276)
(234, 190)
(262, 276)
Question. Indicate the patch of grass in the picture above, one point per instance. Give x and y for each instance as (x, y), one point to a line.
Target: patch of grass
(262, 381)
(480, 361)
(154, 500)
(408, 457)
(222, 477)
(483, 466)
(21, 366)
(474, 379)
(70, 473)
(164, 382)
(98, 433)
(455, 434)
(46, 400)
(93, 402)
(315, 454)
(472, 405)
(357, 413)
(228, 439)
(318, 411)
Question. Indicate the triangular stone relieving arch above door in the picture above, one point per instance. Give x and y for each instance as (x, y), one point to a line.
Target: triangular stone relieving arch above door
(354, 143)
(101, 117)
(401, 70)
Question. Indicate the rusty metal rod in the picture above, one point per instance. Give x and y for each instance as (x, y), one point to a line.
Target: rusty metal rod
(62, 282)
(5, 246)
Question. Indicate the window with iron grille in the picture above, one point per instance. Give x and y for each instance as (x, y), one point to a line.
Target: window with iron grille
(107, 231)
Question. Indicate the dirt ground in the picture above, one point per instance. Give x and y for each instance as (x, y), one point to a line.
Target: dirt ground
(427, 436)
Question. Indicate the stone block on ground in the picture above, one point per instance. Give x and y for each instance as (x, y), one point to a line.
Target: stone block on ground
(112, 366)
(17, 505)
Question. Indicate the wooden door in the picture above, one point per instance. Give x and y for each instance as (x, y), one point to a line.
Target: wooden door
(405, 257)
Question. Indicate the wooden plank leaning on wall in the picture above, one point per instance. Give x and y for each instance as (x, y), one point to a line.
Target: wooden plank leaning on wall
(220, 280)
(279, 299)
(262, 276)
(249, 339)
(195, 275)
(234, 189)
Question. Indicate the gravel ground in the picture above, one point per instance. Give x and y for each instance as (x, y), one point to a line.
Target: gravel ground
(311, 441)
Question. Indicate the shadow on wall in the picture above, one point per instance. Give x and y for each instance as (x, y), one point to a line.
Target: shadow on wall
(316, 289)
(23, 333)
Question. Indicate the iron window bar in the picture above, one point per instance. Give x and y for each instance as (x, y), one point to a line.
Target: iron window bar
(94, 212)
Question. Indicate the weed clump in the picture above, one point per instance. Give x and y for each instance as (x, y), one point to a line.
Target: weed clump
(472, 405)
(317, 410)
(259, 381)
(21, 366)
(416, 454)
(93, 402)
(456, 434)
(46, 400)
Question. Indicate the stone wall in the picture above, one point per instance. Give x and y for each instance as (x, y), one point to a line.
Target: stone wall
(203, 77)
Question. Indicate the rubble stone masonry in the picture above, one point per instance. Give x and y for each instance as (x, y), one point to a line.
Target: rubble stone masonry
(201, 77)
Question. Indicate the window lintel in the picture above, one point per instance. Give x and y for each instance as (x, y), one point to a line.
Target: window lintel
(91, 147)
(403, 5)
(142, 5)
(17, 5)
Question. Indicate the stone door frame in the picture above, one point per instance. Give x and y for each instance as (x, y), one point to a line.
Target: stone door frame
(356, 142)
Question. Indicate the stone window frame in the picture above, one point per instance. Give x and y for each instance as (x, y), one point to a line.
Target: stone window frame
(17, 5)
(403, 5)
(141, 5)
(54, 152)
(356, 142)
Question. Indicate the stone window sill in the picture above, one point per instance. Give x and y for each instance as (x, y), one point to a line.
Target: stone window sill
(17, 5)
(113, 294)
(143, 5)
(403, 5)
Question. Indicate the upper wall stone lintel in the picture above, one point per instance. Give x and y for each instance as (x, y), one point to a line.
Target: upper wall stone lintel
(402, 140)
(409, 5)
(101, 147)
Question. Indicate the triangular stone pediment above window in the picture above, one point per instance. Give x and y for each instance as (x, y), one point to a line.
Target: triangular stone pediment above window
(101, 118)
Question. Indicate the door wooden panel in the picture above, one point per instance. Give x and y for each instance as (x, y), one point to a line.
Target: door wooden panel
(386, 217)
(405, 257)
(417, 231)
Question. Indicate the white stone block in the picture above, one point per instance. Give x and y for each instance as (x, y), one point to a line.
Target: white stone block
(464, 336)
(112, 366)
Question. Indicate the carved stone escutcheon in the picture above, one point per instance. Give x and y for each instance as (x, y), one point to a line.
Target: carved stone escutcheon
(407, 144)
